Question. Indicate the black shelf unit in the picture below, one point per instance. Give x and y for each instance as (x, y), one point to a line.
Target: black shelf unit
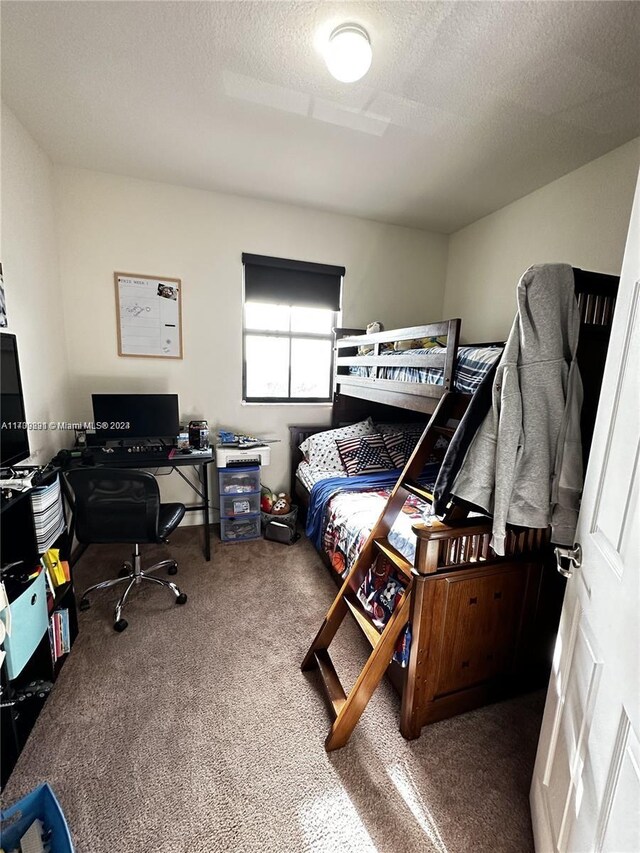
(19, 705)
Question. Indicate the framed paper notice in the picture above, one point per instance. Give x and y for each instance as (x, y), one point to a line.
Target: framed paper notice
(149, 316)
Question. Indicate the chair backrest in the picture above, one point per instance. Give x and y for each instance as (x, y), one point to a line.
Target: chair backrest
(115, 505)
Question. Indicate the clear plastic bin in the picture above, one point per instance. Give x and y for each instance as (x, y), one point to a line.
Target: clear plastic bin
(240, 529)
(239, 481)
(242, 504)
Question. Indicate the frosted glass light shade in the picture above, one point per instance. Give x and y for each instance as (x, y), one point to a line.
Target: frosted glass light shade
(348, 54)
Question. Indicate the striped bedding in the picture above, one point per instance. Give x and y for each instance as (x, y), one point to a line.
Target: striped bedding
(472, 364)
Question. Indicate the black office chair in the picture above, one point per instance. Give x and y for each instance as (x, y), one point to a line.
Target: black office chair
(120, 505)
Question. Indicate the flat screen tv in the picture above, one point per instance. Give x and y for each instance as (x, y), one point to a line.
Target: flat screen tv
(14, 437)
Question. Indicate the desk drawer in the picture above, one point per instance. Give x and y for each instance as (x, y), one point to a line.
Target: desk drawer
(29, 622)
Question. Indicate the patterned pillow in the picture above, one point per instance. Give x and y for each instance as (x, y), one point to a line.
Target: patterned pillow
(366, 454)
(400, 446)
(415, 428)
(420, 343)
(321, 450)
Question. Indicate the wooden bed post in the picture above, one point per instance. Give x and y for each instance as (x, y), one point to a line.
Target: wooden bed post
(422, 613)
(453, 339)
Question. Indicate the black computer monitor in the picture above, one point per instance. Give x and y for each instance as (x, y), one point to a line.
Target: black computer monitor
(125, 416)
(14, 438)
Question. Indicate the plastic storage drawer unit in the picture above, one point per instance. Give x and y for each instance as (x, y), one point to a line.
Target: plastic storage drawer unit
(232, 506)
(240, 529)
(239, 503)
(29, 623)
(239, 481)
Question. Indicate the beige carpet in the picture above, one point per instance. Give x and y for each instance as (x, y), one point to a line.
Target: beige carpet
(195, 730)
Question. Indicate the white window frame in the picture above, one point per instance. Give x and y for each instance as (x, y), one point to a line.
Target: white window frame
(291, 335)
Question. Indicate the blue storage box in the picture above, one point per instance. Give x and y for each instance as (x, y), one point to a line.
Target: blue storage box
(29, 623)
(40, 804)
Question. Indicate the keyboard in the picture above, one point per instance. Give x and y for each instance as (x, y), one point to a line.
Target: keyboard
(139, 458)
(142, 458)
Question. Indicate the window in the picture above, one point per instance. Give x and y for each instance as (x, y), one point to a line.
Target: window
(290, 310)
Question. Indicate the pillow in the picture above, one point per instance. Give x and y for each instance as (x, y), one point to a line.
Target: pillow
(414, 428)
(365, 454)
(420, 343)
(400, 446)
(367, 349)
(321, 451)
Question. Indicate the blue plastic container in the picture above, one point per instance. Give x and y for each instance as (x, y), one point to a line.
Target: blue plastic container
(40, 804)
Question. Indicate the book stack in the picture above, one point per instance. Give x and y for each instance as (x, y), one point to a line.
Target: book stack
(48, 514)
(59, 636)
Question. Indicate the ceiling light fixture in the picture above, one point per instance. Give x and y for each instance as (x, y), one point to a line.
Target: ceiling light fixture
(348, 54)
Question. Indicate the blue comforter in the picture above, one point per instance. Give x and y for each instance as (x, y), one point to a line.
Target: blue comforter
(324, 490)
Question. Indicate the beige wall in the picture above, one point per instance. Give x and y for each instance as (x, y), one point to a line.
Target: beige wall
(60, 289)
(109, 223)
(29, 256)
(581, 219)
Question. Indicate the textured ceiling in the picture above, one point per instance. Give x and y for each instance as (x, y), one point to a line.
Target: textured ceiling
(467, 106)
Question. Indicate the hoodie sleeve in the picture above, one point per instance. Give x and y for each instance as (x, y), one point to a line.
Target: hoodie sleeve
(509, 435)
(568, 478)
(475, 480)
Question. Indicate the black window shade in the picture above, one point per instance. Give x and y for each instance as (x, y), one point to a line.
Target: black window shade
(291, 282)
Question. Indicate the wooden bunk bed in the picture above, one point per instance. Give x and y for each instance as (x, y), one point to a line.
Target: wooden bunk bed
(416, 396)
(481, 625)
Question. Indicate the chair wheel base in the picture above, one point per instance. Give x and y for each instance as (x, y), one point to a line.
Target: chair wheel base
(172, 570)
(124, 572)
(85, 604)
(120, 625)
(182, 598)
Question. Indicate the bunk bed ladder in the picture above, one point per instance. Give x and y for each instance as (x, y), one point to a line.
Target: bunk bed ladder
(347, 709)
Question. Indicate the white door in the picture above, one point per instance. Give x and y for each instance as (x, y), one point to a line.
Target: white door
(585, 794)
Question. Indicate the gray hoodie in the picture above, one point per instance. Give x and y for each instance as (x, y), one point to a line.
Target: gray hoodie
(524, 465)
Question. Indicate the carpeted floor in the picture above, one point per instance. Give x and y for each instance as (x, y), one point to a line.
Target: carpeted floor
(195, 730)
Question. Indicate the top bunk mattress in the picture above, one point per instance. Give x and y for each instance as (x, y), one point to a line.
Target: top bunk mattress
(472, 364)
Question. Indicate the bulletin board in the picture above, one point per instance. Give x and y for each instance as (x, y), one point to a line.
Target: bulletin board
(149, 316)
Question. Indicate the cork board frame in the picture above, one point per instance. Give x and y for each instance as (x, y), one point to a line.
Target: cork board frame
(148, 316)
